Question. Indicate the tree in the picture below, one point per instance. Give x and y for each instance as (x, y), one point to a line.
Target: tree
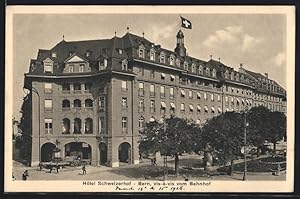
(276, 122)
(173, 138)
(257, 130)
(224, 134)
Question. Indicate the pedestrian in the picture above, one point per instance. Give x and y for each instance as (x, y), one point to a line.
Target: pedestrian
(154, 162)
(50, 167)
(25, 175)
(141, 157)
(151, 161)
(57, 168)
(83, 169)
(41, 166)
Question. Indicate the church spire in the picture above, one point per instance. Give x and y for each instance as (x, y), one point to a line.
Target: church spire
(180, 49)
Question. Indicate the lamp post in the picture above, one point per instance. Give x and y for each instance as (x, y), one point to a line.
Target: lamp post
(245, 144)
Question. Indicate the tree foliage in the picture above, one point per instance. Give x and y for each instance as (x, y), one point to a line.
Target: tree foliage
(173, 138)
(224, 134)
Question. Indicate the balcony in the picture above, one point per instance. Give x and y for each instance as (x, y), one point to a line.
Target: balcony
(66, 108)
(88, 108)
(76, 91)
(66, 91)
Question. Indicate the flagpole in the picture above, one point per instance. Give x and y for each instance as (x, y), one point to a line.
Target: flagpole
(180, 22)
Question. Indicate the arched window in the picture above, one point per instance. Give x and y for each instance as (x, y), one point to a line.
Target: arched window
(162, 57)
(77, 103)
(193, 68)
(226, 74)
(207, 70)
(77, 126)
(232, 75)
(66, 126)
(152, 54)
(178, 62)
(214, 73)
(125, 65)
(102, 64)
(172, 60)
(65, 104)
(88, 126)
(88, 103)
(66, 87)
(141, 51)
(201, 70)
(237, 77)
(185, 65)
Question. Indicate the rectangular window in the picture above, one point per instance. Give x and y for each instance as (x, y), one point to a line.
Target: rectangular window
(48, 104)
(71, 68)
(152, 56)
(141, 89)
(124, 124)
(81, 68)
(172, 78)
(48, 67)
(219, 98)
(101, 102)
(141, 105)
(124, 103)
(191, 94)
(124, 85)
(163, 76)
(152, 106)
(141, 70)
(162, 91)
(212, 97)
(48, 87)
(182, 108)
(171, 92)
(101, 125)
(204, 96)
(152, 73)
(48, 126)
(152, 90)
(226, 98)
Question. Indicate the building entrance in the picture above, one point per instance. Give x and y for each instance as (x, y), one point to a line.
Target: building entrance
(80, 150)
(125, 153)
(47, 152)
(103, 153)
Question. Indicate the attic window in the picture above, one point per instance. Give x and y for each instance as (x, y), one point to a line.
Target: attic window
(200, 69)
(53, 54)
(125, 65)
(193, 68)
(162, 57)
(88, 53)
(120, 51)
(177, 62)
(48, 66)
(102, 64)
(172, 60)
(141, 51)
(152, 54)
(214, 73)
(207, 71)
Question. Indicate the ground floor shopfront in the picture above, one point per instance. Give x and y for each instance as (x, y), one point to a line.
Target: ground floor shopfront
(106, 151)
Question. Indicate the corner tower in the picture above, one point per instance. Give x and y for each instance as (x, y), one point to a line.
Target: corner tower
(180, 49)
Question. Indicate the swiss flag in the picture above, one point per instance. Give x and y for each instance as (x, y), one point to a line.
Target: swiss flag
(185, 23)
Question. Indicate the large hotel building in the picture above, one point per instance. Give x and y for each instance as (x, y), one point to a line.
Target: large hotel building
(90, 98)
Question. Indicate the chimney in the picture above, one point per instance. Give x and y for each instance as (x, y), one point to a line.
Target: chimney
(266, 74)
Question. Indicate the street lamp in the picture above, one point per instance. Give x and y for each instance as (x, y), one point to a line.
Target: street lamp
(245, 144)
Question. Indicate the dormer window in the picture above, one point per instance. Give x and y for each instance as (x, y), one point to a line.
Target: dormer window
(207, 70)
(141, 51)
(201, 70)
(120, 51)
(125, 65)
(177, 62)
(232, 76)
(237, 77)
(88, 53)
(102, 64)
(226, 74)
(152, 54)
(53, 54)
(172, 60)
(193, 68)
(48, 65)
(185, 66)
(162, 58)
(71, 53)
(214, 73)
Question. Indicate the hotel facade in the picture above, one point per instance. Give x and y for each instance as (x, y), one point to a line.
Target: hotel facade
(91, 98)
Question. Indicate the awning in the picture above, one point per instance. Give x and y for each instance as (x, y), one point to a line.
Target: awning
(212, 108)
(198, 95)
(205, 108)
(227, 109)
(172, 105)
(199, 107)
(163, 75)
(163, 104)
(219, 110)
(172, 76)
(182, 92)
(191, 107)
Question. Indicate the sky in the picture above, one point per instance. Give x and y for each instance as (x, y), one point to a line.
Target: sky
(256, 40)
